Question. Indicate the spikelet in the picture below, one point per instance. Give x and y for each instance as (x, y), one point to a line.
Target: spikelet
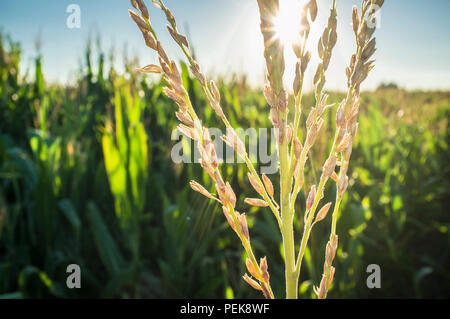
(330, 279)
(264, 269)
(185, 118)
(323, 212)
(328, 167)
(355, 20)
(297, 147)
(258, 188)
(142, 25)
(268, 184)
(199, 188)
(230, 195)
(243, 224)
(251, 282)
(178, 38)
(189, 132)
(251, 268)
(256, 202)
(312, 8)
(215, 91)
(334, 177)
(142, 8)
(229, 218)
(151, 68)
(342, 185)
(232, 140)
(311, 197)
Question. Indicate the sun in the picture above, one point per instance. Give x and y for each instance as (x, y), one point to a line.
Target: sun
(287, 22)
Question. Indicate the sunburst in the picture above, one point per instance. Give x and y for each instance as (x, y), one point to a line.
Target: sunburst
(287, 22)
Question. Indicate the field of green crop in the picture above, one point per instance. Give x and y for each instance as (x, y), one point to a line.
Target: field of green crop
(86, 178)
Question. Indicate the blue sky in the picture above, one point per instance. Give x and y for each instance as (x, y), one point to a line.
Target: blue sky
(413, 41)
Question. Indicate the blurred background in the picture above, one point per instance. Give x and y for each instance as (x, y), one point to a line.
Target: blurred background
(86, 175)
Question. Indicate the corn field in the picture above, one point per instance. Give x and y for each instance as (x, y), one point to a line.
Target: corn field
(86, 178)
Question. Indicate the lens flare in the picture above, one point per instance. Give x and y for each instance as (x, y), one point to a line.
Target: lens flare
(287, 22)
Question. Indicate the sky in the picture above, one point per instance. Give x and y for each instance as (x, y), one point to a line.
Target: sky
(413, 38)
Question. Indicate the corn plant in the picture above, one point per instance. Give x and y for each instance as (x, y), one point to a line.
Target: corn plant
(292, 152)
(125, 152)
